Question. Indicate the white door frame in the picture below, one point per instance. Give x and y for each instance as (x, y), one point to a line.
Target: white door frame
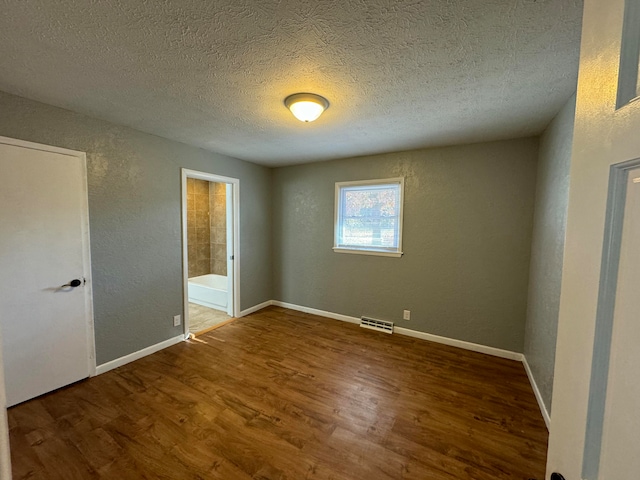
(5, 451)
(604, 317)
(234, 183)
(86, 241)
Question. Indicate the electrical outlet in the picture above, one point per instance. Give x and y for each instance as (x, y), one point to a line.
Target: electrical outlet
(177, 320)
(406, 315)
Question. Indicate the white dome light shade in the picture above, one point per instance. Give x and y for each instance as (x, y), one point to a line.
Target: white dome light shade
(306, 107)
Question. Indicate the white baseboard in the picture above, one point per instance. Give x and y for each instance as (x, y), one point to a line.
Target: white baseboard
(255, 308)
(118, 362)
(536, 391)
(315, 311)
(474, 347)
(497, 352)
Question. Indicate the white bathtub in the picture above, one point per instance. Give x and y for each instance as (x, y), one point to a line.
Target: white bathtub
(209, 291)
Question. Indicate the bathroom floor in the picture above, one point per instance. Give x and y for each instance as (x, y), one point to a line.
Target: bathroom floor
(202, 318)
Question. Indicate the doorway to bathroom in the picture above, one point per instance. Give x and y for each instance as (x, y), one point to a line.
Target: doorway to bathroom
(210, 239)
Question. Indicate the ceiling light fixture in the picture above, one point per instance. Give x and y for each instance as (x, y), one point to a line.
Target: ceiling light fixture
(306, 107)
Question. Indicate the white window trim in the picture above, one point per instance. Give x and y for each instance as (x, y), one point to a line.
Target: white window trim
(382, 252)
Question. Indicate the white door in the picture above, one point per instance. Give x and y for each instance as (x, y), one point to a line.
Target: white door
(47, 332)
(620, 456)
(595, 411)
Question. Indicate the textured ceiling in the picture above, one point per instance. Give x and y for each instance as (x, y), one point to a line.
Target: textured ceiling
(400, 74)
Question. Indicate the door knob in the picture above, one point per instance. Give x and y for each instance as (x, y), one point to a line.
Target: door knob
(72, 283)
(556, 476)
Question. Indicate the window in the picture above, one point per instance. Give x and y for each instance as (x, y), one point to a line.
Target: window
(368, 217)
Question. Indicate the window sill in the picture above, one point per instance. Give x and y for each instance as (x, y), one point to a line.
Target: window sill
(367, 252)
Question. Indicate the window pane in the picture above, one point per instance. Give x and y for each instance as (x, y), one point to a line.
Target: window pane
(370, 216)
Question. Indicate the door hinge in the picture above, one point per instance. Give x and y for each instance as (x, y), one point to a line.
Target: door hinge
(232, 257)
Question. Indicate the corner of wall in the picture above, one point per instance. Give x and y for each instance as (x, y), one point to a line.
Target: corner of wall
(547, 247)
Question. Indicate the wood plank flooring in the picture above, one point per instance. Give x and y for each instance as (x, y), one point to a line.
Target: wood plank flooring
(286, 395)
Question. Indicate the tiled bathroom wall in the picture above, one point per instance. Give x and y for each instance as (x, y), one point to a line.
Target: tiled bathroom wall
(198, 229)
(218, 209)
(206, 227)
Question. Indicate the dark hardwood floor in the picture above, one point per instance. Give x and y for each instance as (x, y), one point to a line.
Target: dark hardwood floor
(286, 395)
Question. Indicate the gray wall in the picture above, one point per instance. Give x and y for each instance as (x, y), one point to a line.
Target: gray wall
(467, 238)
(134, 209)
(550, 220)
